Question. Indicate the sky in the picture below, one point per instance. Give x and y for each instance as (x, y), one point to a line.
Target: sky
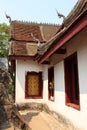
(40, 11)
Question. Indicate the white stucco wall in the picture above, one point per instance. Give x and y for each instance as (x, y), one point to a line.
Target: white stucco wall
(79, 118)
(82, 61)
(45, 83)
(21, 68)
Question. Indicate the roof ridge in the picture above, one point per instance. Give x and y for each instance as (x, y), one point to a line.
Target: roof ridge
(34, 23)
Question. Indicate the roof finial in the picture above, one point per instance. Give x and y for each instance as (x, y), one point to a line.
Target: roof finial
(60, 15)
(8, 17)
(35, 39)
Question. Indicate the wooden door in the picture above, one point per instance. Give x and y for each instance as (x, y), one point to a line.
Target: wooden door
(34, 85)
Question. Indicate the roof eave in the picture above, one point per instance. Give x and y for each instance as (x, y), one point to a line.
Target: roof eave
(71, 31)
(20, 57)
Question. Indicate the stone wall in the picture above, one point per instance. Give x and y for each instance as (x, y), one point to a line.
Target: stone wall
(4, 84)
(8, 111)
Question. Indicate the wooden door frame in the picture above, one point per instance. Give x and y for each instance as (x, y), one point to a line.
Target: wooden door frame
(72, 95)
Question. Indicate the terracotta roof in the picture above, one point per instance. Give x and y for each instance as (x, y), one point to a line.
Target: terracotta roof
(24, 49)
(23, 31)
(42, 48)
(25, 36)
(48, 30)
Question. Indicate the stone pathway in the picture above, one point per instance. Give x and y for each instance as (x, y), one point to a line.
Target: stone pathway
(42, 121)
(37, 120)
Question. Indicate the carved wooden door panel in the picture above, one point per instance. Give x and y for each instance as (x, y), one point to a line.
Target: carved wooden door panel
(33, 85)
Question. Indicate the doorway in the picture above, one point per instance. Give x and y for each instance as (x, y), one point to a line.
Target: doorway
(51, 83)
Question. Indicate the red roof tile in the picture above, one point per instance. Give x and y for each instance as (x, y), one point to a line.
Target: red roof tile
(24, 49)
(25, 35)
(22, 31)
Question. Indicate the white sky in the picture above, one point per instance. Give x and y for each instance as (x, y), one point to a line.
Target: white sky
(43, 11)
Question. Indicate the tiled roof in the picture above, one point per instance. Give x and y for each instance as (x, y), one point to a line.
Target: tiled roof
(48, 31)
(24, 49)
(44, 47)
(21, 31)
(25, 36)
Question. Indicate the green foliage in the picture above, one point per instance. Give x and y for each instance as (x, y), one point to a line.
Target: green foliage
(4, 37)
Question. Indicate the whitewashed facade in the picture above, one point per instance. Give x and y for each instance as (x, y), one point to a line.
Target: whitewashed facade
(77, 44)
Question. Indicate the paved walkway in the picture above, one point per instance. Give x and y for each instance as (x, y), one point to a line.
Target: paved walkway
(42, 121)
(37, 121)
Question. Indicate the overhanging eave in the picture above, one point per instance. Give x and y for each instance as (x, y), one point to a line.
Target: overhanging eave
(79, 24)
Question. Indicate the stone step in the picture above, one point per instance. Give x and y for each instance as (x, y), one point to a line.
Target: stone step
(6, 126)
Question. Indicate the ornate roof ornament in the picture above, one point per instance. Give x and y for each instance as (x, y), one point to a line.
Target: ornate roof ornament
(8, 17)
(35, 39)
(60, 15)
